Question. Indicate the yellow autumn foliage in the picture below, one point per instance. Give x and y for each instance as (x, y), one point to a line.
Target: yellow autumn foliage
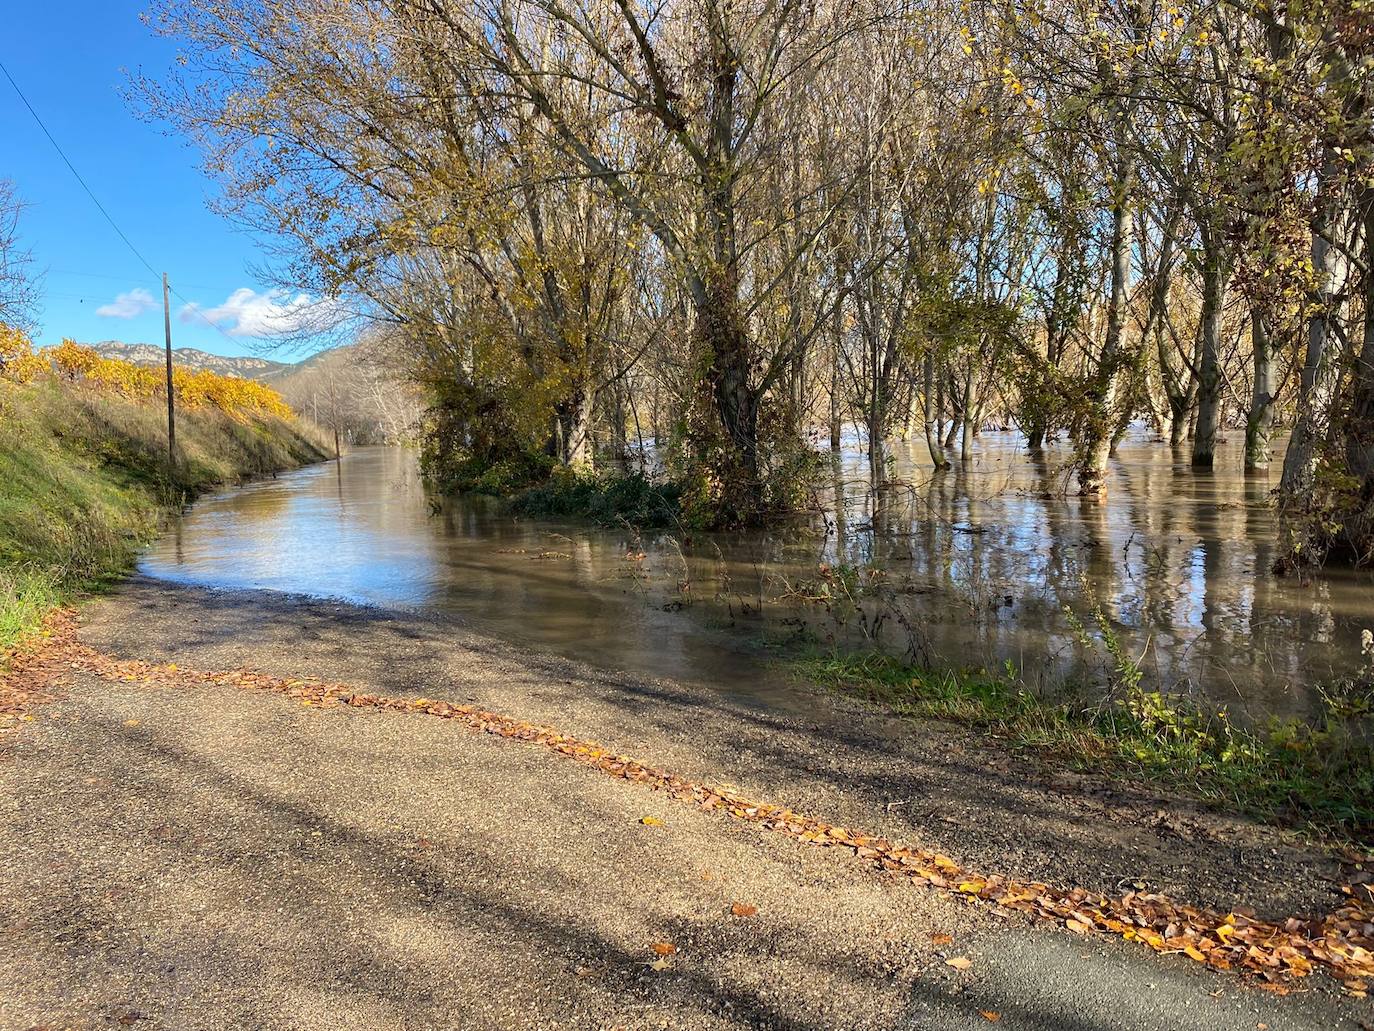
(18, 362)
(233, 395)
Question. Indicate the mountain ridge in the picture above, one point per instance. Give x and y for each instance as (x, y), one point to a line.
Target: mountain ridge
(191, 358)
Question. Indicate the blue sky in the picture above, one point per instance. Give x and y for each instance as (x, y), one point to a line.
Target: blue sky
(69, 59)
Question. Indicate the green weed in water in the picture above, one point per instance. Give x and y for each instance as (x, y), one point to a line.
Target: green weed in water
(1316, 775)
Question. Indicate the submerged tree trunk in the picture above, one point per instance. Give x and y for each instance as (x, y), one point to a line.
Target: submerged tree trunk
(970, 420)
(1105, 402)
(1321, 371)
(1209, 371)
(1260, 419)
(937, 455)
(1357, 515)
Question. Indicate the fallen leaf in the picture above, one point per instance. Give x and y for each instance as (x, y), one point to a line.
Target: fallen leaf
(651, 821)
(131, 723)
(941, 939)
(991, 1016)
(1340, 942)
(743, 909)
(659, 964)
(959, 962)
(664, 948)
(1077, 926)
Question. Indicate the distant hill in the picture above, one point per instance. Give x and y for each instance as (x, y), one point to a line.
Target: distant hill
(349, 388)
(189, 358)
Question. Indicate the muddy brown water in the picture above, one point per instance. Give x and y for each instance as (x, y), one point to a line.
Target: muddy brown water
(984, 564)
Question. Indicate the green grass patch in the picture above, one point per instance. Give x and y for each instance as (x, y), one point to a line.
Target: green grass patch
(84, 484)
(1317, 775)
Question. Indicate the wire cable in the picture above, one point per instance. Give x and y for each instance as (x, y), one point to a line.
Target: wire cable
(72, 168)
(188, 306)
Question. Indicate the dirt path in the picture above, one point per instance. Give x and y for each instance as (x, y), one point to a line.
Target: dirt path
(216, 858)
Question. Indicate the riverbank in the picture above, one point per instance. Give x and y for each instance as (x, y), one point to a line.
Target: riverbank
(84, 484)
(489, 877)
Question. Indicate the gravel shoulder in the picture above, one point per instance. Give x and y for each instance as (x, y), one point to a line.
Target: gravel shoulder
(228, 859)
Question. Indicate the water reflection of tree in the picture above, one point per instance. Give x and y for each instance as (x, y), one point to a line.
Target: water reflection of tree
(1178, 562)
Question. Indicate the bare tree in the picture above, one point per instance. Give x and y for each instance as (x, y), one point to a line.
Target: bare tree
(19, 282)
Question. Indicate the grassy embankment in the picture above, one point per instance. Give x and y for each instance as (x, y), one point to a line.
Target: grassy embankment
(83, 481)
(1317, 776)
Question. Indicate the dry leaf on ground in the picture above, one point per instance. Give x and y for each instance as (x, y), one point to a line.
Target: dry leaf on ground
(1342, 941)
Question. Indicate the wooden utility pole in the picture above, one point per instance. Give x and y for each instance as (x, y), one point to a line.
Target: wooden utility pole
(171, 408)
(334, 414)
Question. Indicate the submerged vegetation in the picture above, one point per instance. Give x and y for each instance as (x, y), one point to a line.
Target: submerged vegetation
(1110, 716)
(1317, 775)
(632, 500)
(83, 469)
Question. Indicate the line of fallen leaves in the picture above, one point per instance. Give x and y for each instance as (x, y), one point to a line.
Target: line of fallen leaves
(1277, 951)
(29, 667)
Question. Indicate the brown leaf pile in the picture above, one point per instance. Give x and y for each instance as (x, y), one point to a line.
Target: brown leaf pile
(1339, 943)
(29, 669)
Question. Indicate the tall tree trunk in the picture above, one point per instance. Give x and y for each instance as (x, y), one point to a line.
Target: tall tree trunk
(619, 417)
(577, 431)
(734, 457)
(836, 331)
(940, 406)
(957, 413)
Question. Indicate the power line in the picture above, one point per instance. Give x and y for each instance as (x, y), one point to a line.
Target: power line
(126, 278)
(188, 305)
(192, 308)
(72, 168)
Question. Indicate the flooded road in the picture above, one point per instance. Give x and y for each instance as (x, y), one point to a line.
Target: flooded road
(981, 565)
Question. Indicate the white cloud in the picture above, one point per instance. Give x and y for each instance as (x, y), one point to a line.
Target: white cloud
(127, 306)
(272, 313)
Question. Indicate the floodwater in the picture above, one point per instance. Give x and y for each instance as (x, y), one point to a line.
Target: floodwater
(980, 565)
